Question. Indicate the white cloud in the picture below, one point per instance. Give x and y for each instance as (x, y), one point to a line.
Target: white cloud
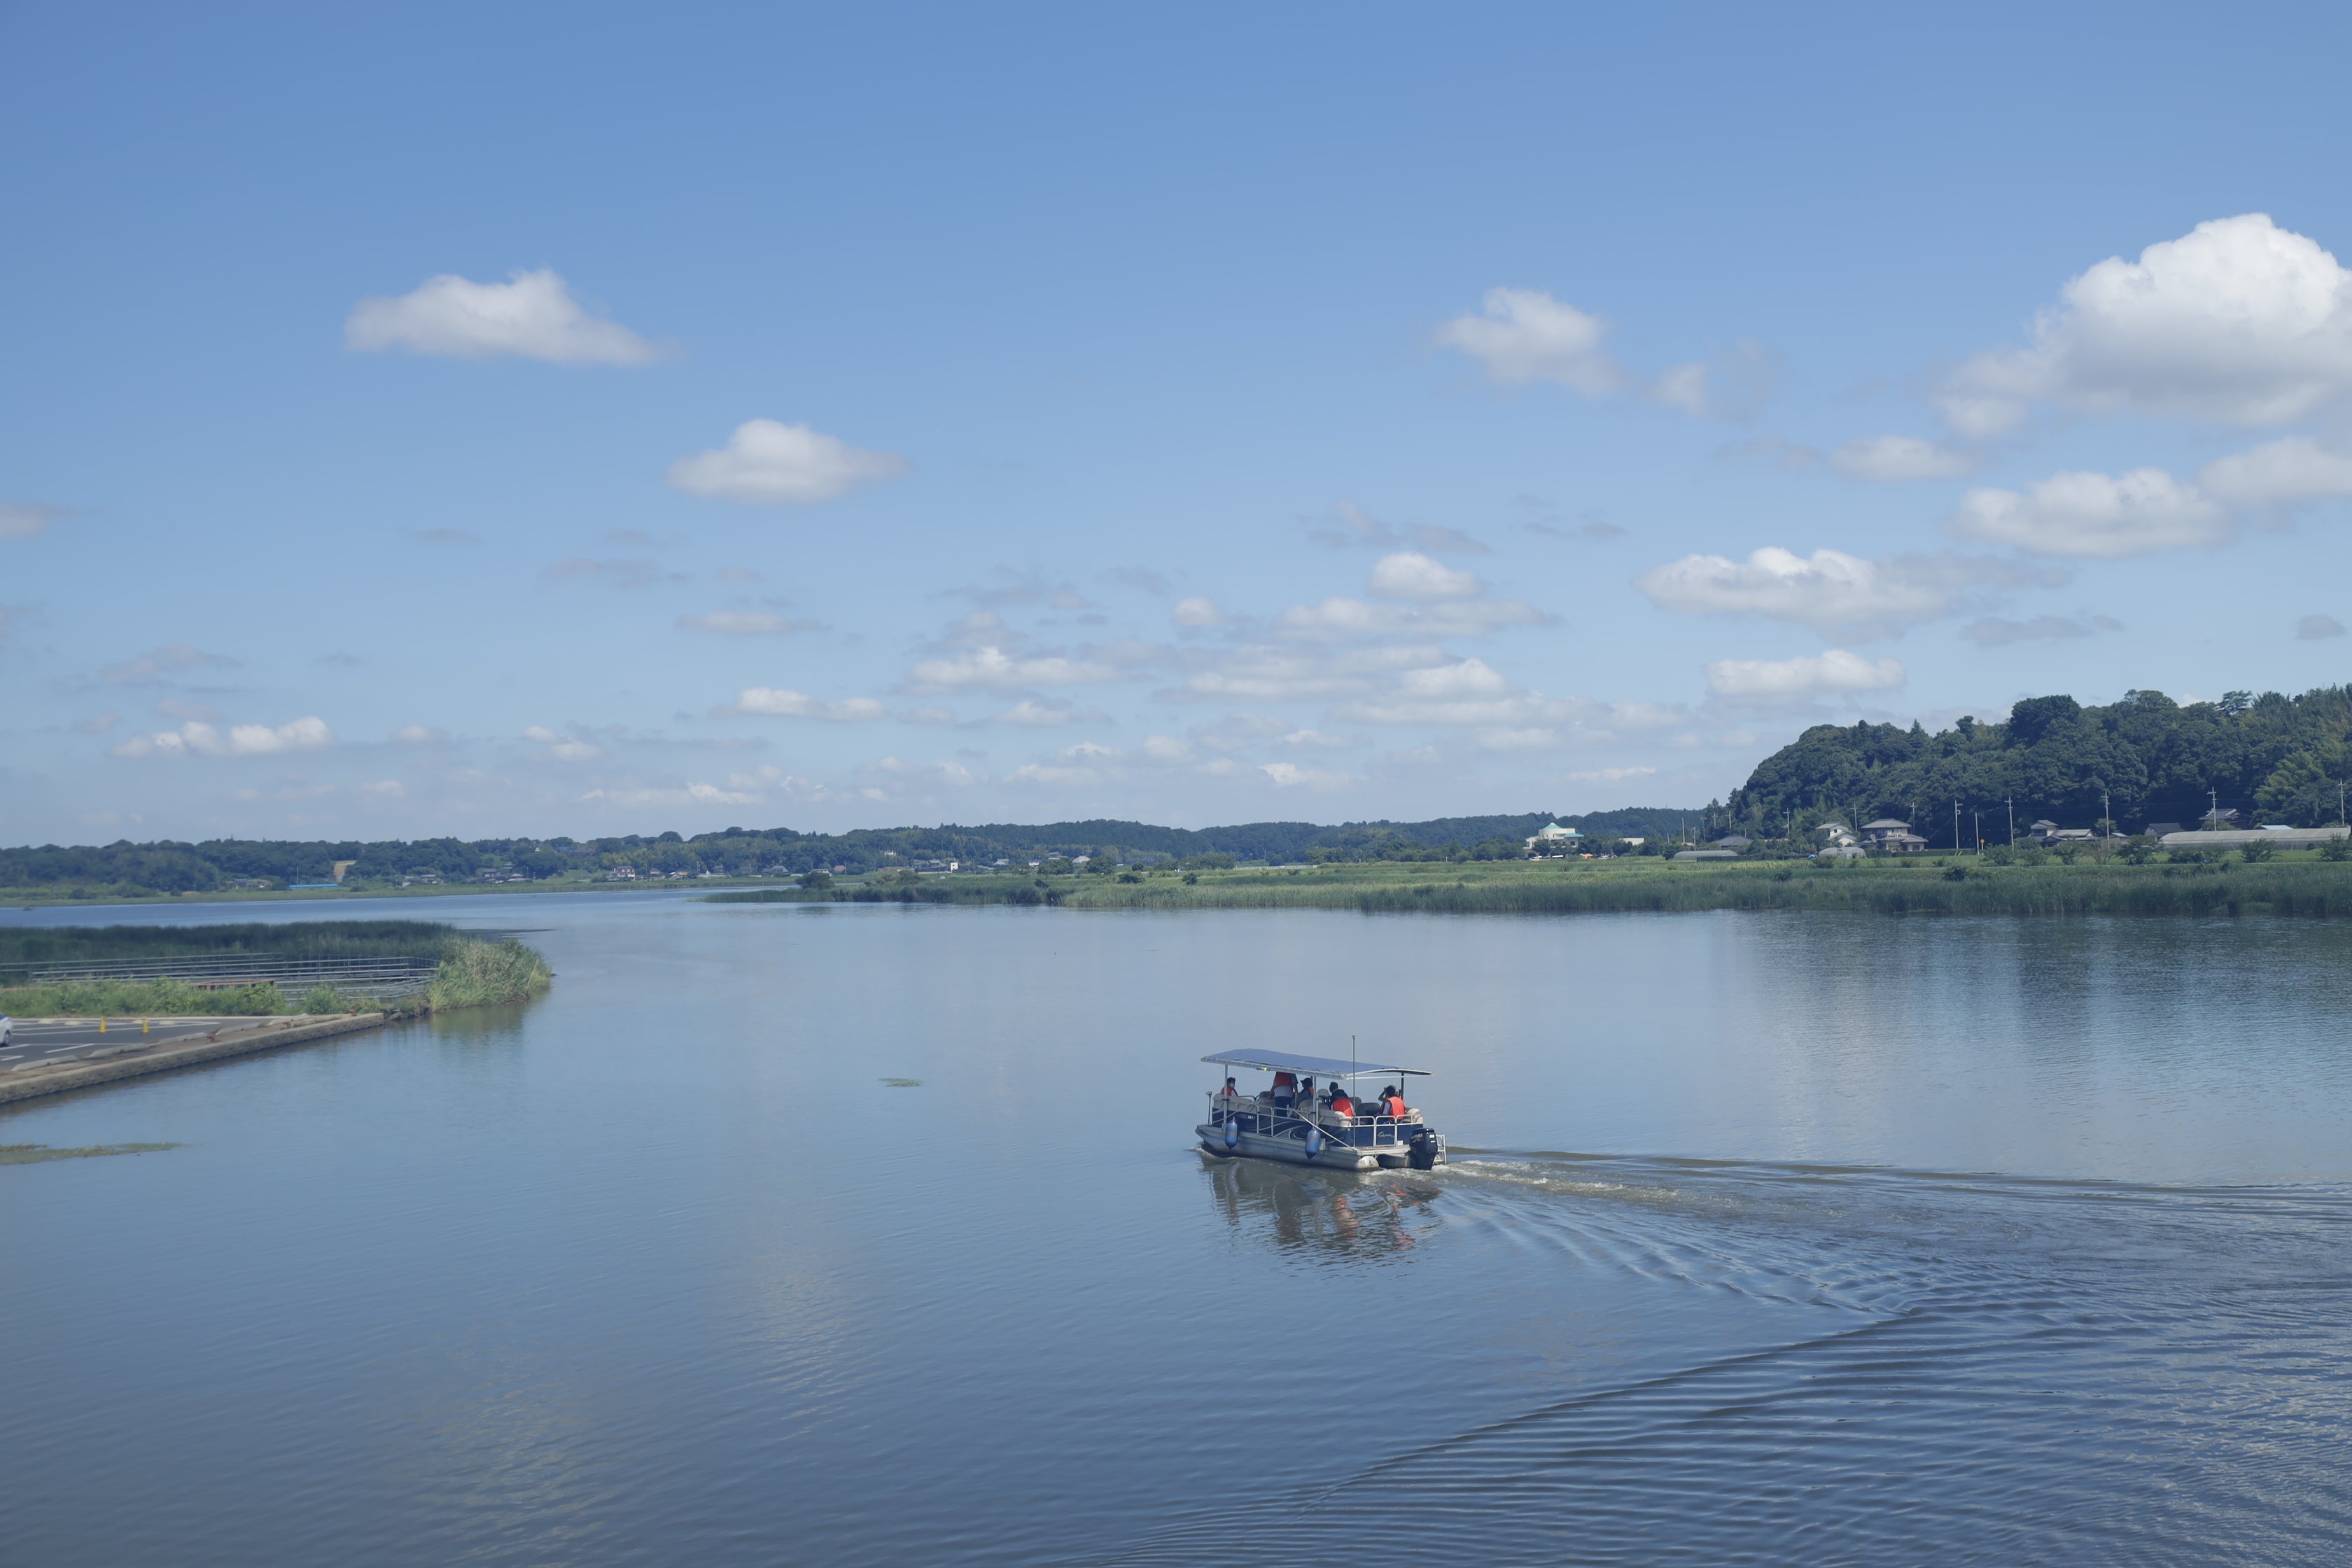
(1318, 740)
(201, 739)
(1290, 776)
(1166, 748)
(1683, 386)
(1198, 612)
(561, 747)
(1343, 619)
(1996, 631)
(1528, 335)
(1410, 574)
(2093, 515)
(1800, 678)
(2283, 473)
(1041, 774)
(1269, 674)
(1038, 715)
(532, 315)
(743, 622)
(417, 735)
(684, 794)
(993, 669)
(774, 464)
(1894, 458)
(2311, 628)
(1611, 775)
(1831, 591)
(778, 702)
(1466, 691)
(2238, 322)
(22, 520)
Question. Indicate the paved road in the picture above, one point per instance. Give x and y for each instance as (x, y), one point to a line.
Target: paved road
(38, 1044)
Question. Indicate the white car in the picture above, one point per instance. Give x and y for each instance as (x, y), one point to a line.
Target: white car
(7, 1027)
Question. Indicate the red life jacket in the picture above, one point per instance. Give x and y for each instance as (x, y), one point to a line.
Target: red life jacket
(1396, 1105)
(1286, 1080)
(1342, 1106)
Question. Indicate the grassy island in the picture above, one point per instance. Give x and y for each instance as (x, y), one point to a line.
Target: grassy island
(401, 966)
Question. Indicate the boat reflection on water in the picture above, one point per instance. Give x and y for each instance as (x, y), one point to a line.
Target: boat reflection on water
(1329, 1215)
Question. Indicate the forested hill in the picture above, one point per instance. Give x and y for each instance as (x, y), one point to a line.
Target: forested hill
(172, 868)
(2272, 758)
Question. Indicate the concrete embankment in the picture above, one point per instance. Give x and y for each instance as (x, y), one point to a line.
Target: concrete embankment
(236, 1038)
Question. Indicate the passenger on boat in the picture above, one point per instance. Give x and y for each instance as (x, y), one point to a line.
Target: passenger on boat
(1341, 1105)
(1286, 1090)
(1391, 1102)
(1229, 1093)
(1306, 1095)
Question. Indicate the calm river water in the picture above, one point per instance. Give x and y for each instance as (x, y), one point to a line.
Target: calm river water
(1771, 1239)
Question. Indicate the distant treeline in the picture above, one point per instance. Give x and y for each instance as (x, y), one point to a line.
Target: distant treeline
(2271, 758)
(172, 868)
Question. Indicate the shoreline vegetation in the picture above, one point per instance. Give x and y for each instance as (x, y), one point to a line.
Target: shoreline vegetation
(467, 971)
(2299, 884)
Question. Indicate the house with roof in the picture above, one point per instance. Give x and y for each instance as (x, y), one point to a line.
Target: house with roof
(1889, 836)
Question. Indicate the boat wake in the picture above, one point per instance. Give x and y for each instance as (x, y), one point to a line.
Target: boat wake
(2011, 1372)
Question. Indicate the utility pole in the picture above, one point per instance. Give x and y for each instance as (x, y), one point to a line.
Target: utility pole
(2012, 822)
(2108, 812)
(1956, 827)
(1979, 815)
(2213, 818)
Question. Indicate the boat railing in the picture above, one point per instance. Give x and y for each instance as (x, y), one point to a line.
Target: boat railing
(1264, 1115)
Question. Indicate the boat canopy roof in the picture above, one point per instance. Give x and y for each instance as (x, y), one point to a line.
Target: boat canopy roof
(1317, 1067)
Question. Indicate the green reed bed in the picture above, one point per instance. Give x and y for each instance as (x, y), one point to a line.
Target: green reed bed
(1958, 886)
(468, 971)
(488, 974)
(2314, 890)
(302, 939)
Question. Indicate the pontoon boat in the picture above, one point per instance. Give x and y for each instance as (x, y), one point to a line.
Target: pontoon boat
(1281, 1122)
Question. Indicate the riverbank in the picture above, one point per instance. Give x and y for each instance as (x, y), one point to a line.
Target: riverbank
(133, 1059)
(1963, 885)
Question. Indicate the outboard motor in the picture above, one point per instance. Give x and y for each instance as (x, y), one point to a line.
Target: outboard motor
(1422, 1152)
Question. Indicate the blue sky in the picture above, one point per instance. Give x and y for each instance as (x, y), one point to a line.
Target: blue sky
(537, 421)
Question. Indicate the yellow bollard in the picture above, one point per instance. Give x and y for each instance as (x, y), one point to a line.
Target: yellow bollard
(101, 1022)
(142, 1026)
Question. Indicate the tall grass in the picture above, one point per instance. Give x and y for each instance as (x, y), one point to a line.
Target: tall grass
(306, 939)
(1004, 890)
(476, 973)
(2308, 889)
(141, 999)
(2314, 888)
(471, 974)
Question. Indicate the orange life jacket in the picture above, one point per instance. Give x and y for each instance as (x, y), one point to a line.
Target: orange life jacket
(1342, 1106)
(1396, 1105)
(1286, 1080)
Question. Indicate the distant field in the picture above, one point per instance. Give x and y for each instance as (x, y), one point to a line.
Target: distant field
(2292, 884)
